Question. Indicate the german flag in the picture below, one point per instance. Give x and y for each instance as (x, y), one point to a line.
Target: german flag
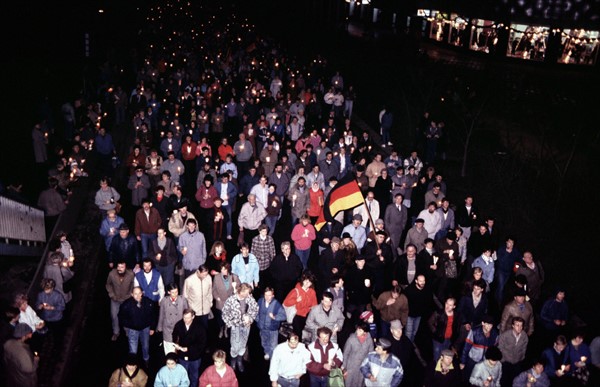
(344, 196)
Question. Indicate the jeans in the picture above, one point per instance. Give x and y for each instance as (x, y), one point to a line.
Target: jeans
(146, 240)
(114, 315)
(193, 369)
(412, 326)
(271, 222)
(385, 136)
(348, 107)
(229, 210)
(303, 255)
(285, 382)
(439, 347)
(318, 381)
(239, 339)
(133, 336)
(502, 280)
(167, 273)
(268, 340)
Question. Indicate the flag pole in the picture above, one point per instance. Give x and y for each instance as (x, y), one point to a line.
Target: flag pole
(371, 221)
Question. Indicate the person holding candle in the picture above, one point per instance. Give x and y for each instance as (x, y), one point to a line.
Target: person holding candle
(558, 361)
(174, 166)
(51, 306)
(579, 353)
(533, 377)
(130, 375)
(298, 196)
(269, 157)
(152, 166)
(58, 268)
(169, 144)
(243, 151)
(21, 362)
(488, 373)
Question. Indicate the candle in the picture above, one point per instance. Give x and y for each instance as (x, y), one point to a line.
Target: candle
(583, 359)
(274, 204)
(179, 170)
(268, 159)
(170, 147)
(158, 256)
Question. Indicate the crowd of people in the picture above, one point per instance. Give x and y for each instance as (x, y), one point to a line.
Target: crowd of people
(208, 228)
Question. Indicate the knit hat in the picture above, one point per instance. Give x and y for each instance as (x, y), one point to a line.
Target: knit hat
(366, 315)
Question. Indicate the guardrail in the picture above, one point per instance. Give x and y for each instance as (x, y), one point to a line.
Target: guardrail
(20, 223)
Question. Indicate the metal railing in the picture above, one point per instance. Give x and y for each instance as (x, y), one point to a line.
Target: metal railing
(21, 222)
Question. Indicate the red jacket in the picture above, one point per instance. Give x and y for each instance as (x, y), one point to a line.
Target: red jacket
(206, 196)
(309, 299)
(210, 376)
(188, 155)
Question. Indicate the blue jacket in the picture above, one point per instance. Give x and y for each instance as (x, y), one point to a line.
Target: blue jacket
(238, 268)
(554, 310)
(231, 192)
(263, 321)
(104, 144)
(172, 377)
(476, 344)
(554, 361)
(390, 372)
(105, 227)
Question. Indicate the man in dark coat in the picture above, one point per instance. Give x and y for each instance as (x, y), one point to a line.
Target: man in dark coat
(189, 336)
(124, 248)
(395, 218)
(138, 316)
